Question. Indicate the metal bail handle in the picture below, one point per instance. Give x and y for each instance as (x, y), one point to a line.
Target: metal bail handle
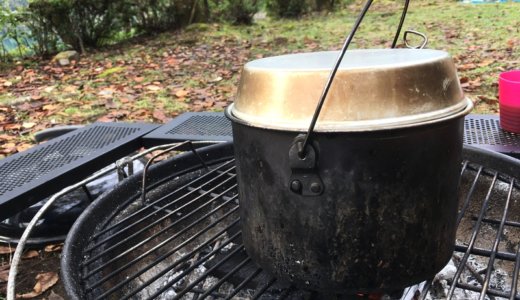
(304, 149)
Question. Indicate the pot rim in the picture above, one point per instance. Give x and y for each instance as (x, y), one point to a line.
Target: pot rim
(456, 111)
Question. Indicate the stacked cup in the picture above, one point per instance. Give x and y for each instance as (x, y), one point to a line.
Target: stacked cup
(509, 99)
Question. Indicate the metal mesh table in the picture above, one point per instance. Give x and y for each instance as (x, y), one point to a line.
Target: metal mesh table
(32, 175)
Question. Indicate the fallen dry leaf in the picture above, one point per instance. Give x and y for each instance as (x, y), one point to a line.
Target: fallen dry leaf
(9, 145)
(7, 249)
(486, 62)
(44, 281)
(153, 88)
(4, 275)
(159, 115)
(53, 248)
(70, 89)
(13, 127)
(30, 254)
(28, 125)
(216, 79)
(171, 61)
(466, 67)
(181, 93)
(23, 146)
(50, 107)
(49, 89)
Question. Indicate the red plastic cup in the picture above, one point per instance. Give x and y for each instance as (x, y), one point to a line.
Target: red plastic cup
(509, 99)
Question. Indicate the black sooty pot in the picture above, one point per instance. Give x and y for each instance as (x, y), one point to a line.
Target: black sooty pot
(372, 205)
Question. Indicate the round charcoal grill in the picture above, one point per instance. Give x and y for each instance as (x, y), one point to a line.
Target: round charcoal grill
(184, 240)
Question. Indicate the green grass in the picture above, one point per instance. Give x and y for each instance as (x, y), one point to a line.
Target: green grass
(110, 71)
(472, 34)
(6, 98)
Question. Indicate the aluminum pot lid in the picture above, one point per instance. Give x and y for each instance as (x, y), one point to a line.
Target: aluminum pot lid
(373, 89)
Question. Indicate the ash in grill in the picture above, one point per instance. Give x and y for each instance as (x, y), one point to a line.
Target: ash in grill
(184, 242)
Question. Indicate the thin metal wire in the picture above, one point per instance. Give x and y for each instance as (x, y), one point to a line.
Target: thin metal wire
(325, 92)
(468, 197)
(88, 193)
(476, 229)
(401, 22)
(494, 250)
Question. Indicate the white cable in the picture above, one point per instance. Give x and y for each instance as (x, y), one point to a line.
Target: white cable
(11, 282)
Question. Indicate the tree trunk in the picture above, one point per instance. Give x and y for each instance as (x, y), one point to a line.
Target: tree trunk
(193, 9)
(206, 10)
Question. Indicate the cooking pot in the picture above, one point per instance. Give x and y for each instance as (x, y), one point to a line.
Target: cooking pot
(371, 204)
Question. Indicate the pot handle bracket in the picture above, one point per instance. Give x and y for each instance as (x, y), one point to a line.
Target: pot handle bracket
(304, 178)
(423, 43)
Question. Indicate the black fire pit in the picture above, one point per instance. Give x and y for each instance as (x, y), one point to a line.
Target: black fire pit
(184, 240)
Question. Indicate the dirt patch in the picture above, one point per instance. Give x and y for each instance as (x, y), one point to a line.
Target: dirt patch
(29, 268)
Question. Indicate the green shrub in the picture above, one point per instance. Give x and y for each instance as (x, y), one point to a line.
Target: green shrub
(79, 23)
(159, 15)
(325, 5)
(296, 8)
(286, 8)
(45, 41)
(93, 23)
(234, 11)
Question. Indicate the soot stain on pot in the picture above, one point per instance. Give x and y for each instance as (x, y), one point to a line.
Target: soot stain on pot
(355, 233)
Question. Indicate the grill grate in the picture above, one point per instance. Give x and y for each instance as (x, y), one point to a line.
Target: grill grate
(185, 242)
